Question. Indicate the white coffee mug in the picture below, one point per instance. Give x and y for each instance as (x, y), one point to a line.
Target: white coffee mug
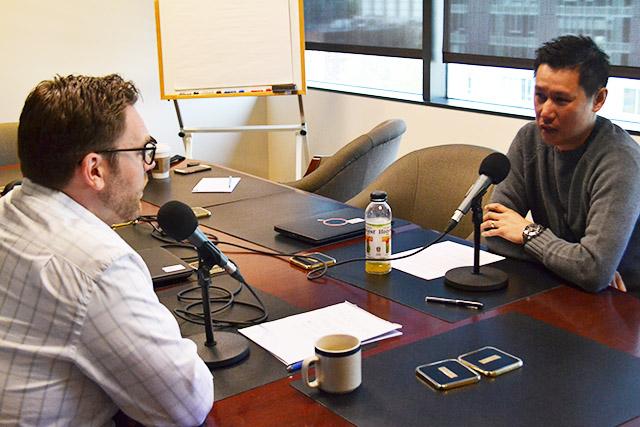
(162, 158)
(338, 363)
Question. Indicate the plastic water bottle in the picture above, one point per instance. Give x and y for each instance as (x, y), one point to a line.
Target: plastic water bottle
(377, 218)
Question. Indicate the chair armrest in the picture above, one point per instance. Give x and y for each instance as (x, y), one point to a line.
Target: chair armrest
(314, 164)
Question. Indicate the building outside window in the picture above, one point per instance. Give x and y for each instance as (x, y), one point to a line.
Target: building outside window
(507, 33)
(375, 47)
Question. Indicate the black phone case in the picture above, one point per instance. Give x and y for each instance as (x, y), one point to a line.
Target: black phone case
(446, 374)
(490, 361)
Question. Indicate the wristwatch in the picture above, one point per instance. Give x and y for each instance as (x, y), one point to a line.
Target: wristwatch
(531, 231)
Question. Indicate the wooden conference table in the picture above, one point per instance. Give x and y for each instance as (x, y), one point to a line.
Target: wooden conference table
(610, 318)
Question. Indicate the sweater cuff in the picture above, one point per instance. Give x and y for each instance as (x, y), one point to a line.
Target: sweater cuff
(536, 246)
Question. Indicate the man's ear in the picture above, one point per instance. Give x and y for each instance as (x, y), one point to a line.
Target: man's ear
(599, 98)
(92, 171)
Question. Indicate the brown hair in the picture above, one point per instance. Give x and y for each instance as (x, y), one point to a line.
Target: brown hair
(66, 118)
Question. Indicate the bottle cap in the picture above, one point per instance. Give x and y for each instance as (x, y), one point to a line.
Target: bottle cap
(378, 196)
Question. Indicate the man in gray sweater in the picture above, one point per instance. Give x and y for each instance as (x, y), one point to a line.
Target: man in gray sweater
(578, 174)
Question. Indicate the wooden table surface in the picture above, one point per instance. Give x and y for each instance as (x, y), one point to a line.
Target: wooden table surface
(611, 318)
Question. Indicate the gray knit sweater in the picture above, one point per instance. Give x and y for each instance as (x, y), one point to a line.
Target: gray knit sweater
(589, 200)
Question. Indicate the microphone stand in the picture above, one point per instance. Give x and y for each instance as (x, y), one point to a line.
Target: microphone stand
(226, 348)
(472, 278)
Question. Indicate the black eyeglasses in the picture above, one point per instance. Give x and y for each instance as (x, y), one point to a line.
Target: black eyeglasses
(149, 150)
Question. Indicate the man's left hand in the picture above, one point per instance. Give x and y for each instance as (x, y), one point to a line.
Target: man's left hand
(618, 283)
(500, 221)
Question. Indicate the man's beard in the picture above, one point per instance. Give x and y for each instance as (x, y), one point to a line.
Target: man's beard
(118, 196)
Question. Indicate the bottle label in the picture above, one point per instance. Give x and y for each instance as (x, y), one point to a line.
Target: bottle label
(378, 240)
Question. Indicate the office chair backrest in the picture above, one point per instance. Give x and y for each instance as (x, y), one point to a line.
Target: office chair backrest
(8, 143)
(355, 165)
(427, 185)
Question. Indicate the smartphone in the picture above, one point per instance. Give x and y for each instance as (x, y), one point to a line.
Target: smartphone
(446, 374)
(312, 260)
(192, 169)
(176, 159)
(490, 361)
(201, 212)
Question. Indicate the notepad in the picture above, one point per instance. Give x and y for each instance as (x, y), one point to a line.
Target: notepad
(293, 338)
(216, 185)
(436, 260)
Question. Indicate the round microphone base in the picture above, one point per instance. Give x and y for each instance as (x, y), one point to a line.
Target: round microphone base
(229, 349)
(488, 279)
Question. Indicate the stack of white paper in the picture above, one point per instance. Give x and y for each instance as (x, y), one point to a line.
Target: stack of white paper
(292, 339)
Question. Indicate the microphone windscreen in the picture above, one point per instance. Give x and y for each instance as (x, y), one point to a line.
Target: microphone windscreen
(496, 166)
(177, 220)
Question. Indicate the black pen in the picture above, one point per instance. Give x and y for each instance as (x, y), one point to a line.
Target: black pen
(464, 303)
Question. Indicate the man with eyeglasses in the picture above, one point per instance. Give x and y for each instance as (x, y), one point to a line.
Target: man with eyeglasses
(82, 333)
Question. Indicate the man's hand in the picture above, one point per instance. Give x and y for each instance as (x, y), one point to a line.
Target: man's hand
(617, 283)
(500, 221)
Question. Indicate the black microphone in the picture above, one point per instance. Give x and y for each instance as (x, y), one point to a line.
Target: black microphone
(179, 222)
(493, 169)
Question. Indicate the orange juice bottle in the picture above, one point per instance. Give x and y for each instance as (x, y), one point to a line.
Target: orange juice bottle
(378, 234)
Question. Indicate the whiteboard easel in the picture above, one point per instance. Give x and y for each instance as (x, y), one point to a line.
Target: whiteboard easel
(217, 48)
(302, 154)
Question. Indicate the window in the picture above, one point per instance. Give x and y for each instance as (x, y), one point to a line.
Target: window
(375, 47)
(507, 32)
(479, 85)
(378, 27)
(388, 77)
(365, 46)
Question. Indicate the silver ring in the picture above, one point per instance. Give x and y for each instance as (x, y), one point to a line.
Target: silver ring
(493, 225)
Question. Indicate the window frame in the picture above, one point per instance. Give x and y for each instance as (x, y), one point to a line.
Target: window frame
(365, 50)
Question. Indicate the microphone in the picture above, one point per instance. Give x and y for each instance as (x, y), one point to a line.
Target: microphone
(493, 169)
(228, 348)
(179, 222)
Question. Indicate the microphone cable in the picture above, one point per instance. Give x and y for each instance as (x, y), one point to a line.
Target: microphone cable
(493, 170)
(227, 298)
(318, 272)
(314, 274)
(158, 234)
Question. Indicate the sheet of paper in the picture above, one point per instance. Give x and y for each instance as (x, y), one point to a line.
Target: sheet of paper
(216, 185)
(292, 339)
(435, 261)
